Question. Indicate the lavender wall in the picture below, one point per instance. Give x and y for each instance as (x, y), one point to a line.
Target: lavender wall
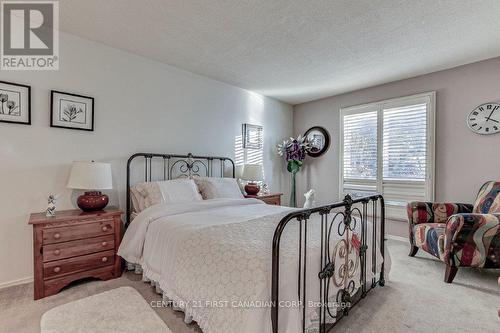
(464, 160)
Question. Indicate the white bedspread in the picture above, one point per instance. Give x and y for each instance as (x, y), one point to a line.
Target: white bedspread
(213, 258)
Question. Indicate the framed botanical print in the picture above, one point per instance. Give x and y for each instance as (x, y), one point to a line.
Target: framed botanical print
(252, 136)
(71, 111)
(15, 103)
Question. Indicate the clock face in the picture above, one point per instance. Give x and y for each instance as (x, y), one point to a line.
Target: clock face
(485, 119)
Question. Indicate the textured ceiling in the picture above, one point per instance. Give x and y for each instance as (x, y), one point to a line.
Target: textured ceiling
(295, 51)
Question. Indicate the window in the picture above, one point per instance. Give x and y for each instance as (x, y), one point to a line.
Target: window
(388, 148)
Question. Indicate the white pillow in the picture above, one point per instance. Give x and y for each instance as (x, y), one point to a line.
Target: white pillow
(212, 188)
(168, 191)
(179, 190)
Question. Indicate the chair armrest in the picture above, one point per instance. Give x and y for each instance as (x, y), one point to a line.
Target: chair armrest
(434, 212)
(468, 238)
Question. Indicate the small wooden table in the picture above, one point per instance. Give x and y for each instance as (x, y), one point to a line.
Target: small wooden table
(270, 199)
(73, 245)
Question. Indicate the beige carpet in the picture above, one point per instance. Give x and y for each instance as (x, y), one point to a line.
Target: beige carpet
(118, 310)
(414, 300)
(20, 314)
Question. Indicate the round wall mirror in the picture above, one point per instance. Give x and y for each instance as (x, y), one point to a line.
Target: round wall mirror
(319, 141)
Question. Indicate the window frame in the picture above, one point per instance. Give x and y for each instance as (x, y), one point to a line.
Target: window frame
(429, 98)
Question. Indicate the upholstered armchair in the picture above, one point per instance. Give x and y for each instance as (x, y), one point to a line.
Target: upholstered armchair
(461, 235)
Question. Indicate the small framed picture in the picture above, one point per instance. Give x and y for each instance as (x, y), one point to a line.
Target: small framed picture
(71, 111)
(252, 136)
(15, 100)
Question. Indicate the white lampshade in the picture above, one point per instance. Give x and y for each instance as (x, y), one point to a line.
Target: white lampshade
(90, 176)
(238, 171)
(253, 172)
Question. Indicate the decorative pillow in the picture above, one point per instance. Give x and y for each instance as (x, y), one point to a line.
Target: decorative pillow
(212, 188)
(138, 202)
(150, 192)
(169, 191)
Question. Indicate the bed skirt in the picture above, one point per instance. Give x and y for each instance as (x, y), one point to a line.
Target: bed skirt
(137, 269)
(188, 319)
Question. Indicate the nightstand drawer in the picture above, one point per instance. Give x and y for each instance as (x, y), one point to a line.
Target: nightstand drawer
(72, 265)
(78, 248)
(87, 230)
(275, 200)
(270, 199)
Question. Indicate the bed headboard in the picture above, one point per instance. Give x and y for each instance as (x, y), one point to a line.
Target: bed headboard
(157, 167)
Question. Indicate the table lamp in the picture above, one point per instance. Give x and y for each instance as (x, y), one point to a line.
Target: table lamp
(91, 176)
(252, 173)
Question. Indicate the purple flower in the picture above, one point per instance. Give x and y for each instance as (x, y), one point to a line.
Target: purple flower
(293, 149)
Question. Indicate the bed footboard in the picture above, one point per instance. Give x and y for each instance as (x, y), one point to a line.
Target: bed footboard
(351, 238)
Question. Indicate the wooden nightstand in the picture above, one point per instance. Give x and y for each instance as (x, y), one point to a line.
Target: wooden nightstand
(75, 245)
(270, 199)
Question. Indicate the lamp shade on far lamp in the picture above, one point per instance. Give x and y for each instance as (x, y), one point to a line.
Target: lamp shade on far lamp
(252, 173)
(91, 176)
(238, 171)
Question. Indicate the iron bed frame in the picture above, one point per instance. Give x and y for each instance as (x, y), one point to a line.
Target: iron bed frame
(176, 166)
(339, 261)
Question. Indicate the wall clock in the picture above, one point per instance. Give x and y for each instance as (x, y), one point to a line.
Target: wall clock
(485, 119)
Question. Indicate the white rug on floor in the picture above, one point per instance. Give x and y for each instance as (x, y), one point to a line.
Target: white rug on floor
(117, 310)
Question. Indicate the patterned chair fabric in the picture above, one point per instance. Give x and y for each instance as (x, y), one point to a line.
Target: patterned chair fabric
(430, 238)
(488, 199)
(430, 212)
(472, 240)
(461, 235)
(435, 214)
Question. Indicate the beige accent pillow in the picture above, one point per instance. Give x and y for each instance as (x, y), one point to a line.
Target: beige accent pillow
(150, 191)
(213, 188)
(138, 202)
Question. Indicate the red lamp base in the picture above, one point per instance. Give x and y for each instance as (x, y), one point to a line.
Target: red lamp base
(92, 201)
(252, 189)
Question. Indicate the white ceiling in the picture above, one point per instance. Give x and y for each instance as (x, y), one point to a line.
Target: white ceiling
(295, 51)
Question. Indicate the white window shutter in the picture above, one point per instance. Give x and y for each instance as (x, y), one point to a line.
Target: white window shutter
(405, 143)
(360, 153)
(397, 136)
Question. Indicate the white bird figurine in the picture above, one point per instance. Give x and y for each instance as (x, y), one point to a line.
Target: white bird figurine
(310, 198)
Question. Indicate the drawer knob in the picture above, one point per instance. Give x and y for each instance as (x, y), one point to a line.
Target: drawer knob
(57, 252)
(57, 269)
(57, 235)
(104, 228)
(104, 243)
(104, 259)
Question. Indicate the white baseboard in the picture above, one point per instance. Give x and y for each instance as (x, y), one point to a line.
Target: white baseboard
(16, 282)
(397, 238)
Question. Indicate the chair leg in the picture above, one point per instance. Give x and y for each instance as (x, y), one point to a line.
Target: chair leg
(450, 273)
(413, 250)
